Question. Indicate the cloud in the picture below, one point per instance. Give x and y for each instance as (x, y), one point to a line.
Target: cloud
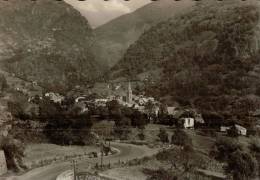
(99, 12)
(116, 5)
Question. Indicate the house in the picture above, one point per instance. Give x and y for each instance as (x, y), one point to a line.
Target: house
(156, 110)
(82, 106)
(171, 110)
(241, 130)
(139, 108)
(199, 119)
(188, 122)
(182, 118)
(224, 128)
(55, 97)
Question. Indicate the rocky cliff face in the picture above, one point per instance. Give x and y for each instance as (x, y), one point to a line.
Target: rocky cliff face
(46, 41)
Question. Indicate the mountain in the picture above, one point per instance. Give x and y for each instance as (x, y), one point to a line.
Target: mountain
(113, 38)
(46, 41)
(207, 58)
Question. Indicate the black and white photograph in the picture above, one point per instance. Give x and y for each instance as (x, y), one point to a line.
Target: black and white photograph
(129, 90)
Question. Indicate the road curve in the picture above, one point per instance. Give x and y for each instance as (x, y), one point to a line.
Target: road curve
(50, 172)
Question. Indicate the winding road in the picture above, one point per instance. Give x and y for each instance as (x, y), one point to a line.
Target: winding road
(50, 172)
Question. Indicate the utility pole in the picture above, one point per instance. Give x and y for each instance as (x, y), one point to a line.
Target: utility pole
(101, 158)
(74, 164)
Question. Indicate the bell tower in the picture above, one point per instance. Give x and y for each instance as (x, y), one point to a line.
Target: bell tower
(129, 96)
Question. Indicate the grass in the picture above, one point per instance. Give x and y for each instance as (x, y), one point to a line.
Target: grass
(132, 172)
(200, 142)
(36, 154)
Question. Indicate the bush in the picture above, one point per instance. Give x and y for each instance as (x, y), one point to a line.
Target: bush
(141, 136)
(69, 130)
(242, 165)
(14, 152)
(224, 147)
(255, 145)
(232, 132)
(159, 174)
(163, 135)
(3, 83)
(181, 138)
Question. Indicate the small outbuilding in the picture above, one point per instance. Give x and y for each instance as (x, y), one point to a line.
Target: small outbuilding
(241, 130)
(188, 122)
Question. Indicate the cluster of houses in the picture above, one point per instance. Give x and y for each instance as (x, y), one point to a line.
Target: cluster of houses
(187, 118)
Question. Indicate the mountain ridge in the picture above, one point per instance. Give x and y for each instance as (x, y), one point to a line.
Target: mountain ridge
(208, 58)
(114, 37)
(47, 41)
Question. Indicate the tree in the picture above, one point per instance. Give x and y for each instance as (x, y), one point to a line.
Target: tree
(69, 130)
(138, 119)
(232, 132)
(163, 135)
(14, 152)
(114, 109)
(224, 147)
(242, 165)
(122, 127)
(149, 108)
(49, 109)
(65, 126)
(254, 145)
(182, 160)
(3, 83)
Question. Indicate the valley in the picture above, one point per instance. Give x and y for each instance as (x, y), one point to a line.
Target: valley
(168, 91)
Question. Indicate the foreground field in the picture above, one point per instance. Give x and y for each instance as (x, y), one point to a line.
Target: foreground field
(41, 153)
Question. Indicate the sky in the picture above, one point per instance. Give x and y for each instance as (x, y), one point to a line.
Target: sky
(99, 12)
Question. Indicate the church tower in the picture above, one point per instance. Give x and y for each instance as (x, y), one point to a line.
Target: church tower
(129, 96)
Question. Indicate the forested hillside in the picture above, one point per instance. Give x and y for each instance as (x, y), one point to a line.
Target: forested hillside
(209, 58)
(113, 38)
(46, 41)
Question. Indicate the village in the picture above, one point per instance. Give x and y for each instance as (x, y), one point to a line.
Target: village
(153, 109)
(146, 121)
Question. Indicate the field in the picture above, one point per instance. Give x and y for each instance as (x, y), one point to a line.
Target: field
(41, 154)
(132, 172)
(202, 144)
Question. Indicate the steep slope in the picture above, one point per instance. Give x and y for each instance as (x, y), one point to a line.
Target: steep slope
(209, 57)
(115, 37)
(46, 41)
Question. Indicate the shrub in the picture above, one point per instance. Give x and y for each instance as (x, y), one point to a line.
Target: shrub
(224, 147)
(242, 165)
(232, 132)
(254, 145)
(181, 138)
(14, 152)
(141, 136)
(163, 135)
(159, 174)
